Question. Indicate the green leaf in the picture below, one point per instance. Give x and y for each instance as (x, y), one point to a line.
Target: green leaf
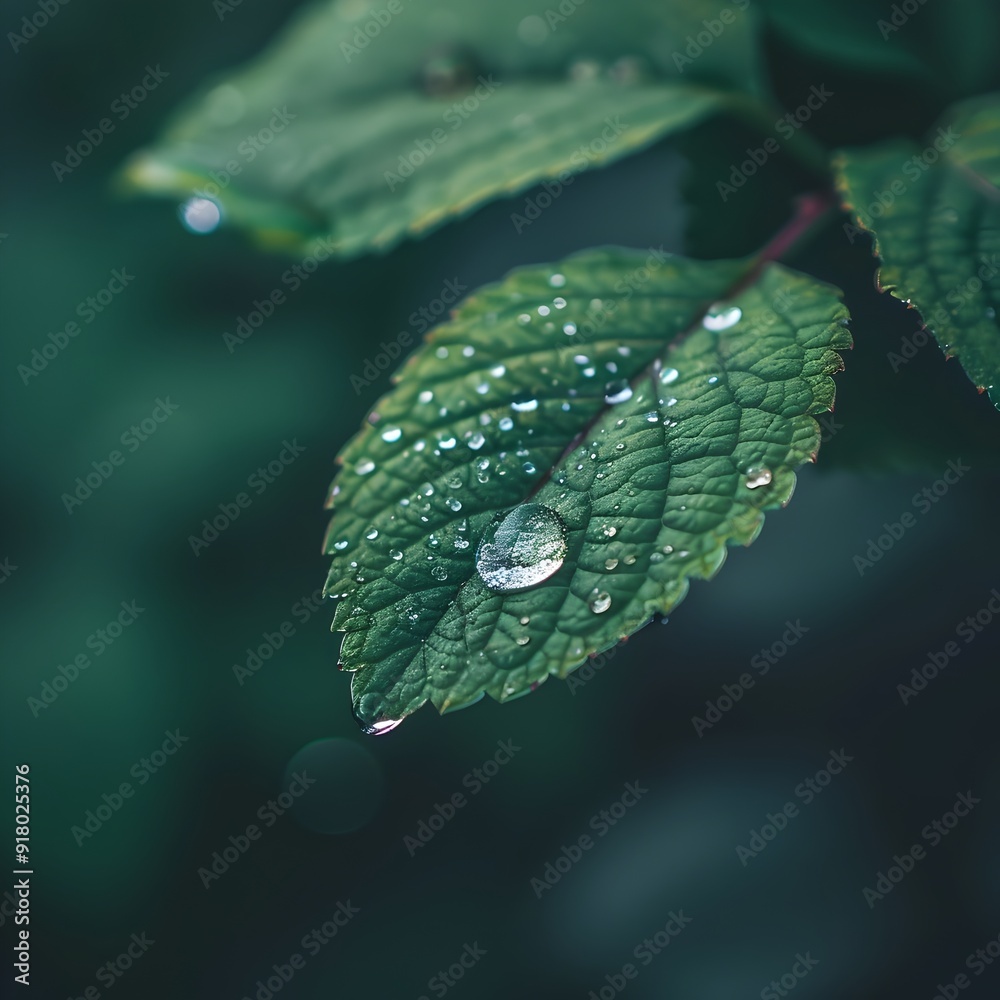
(934, 209)
(592, 433)
(442, 110)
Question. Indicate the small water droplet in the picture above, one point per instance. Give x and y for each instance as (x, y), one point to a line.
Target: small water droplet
(559, 302)
(610, 530)
(372, 535)
(557, 280)
(476, 441)
(505, 423)
(610, 564)
(461, 543)
(652, 417)
(441, 352)
(669, 375)
(525, 620)
(392, 434)
(452, 504)
(523, 640)
(426, 396)
(468, 351)
(529, 468)
(341, 545)
(447, 443)
(524, 405)
(522, 548)
(569, 329)
(544, 310)
(721, 317)
(395, 554)
(524, 319)
(712, 379)
(365, 466)
(600, 603)
(439, 572)
(498, 371)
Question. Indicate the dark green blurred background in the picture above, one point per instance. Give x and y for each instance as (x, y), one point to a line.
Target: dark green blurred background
(172, 670)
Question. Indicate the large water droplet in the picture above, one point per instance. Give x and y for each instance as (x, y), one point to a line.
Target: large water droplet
(523, 548)
(371, 715)
(600, 603)
(721, 317)
(758, 476)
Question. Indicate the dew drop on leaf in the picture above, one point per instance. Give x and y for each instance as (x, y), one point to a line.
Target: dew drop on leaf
(522, 548)
(370, 715)
(720, 317)
(600, 603)
(758, 476)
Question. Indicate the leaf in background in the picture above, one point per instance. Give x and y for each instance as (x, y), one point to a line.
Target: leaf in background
(444, 107)
(934, 209)
(559, 459)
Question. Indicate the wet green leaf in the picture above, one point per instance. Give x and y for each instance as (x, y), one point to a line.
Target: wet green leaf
(934, 209)
(349, 134)
(558, 459)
